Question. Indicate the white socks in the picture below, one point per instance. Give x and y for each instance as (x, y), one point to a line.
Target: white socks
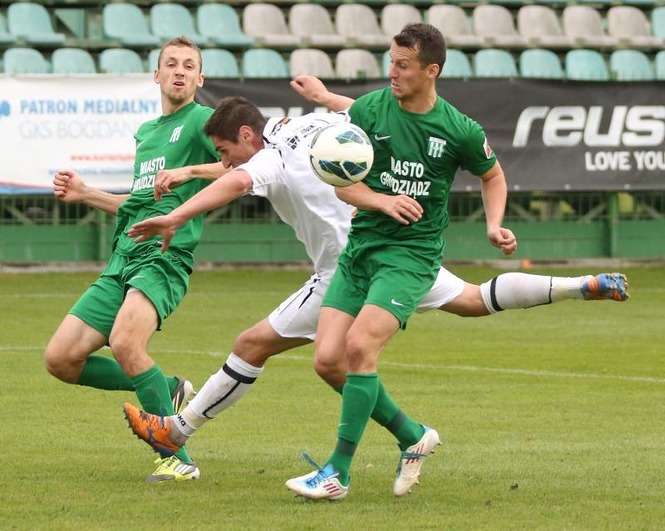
(521, 290)
(222, 390)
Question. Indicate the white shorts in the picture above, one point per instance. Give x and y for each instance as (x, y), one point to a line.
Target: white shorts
(298, 315)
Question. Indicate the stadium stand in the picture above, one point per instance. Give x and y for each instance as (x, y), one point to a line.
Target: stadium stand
(494, 63)
(171, 20)
(541, 27)
(540, 64)
(312, 62)
(72, 61)
(631, 65)
(219, 63)
(25, 61)
(452, 22)
(220, 24)
(357, 64)
(264, 64)
(586, 65)
(359, 26)
(495, 25)
(584, 25)
(120, 61)
(395, 16)
(267, 25)
(457, 65)
(32, 24)
(630, 27)
(127, 24)
(312, 23)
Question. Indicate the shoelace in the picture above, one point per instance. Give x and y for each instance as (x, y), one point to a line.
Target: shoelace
(320, 475)
(408, 455)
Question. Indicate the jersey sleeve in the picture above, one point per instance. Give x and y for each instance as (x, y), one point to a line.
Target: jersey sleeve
(477, 156)
(358, 113)
(266, 167)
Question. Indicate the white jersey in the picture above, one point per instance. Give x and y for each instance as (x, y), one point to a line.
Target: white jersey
(281, 172)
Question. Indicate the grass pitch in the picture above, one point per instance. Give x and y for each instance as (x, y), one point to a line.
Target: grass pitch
(552, 418)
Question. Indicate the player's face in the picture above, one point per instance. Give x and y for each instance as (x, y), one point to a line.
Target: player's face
(179, 73)
(408, 77)
(236, 153)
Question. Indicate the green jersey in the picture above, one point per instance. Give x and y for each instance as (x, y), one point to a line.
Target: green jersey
(416, 155)
(170, 141)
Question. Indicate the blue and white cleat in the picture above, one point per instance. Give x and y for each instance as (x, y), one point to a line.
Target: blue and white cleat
(411, 461)
(321, 484)
(613, 286)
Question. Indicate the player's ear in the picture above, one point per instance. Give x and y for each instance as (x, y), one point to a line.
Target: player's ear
(433, 71)
(245, 133)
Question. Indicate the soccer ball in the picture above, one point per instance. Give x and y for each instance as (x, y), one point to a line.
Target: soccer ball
(341, 154)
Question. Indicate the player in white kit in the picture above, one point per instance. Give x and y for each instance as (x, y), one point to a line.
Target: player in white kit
(271, 160)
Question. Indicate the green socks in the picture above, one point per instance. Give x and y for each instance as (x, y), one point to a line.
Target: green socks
(102, 372)
(152, 391)
(388, 414)
(358, 401)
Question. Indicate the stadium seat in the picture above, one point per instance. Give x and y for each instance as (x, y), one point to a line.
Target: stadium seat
(267, 25)
(457, 65)
(5, 37)
(631, 27)
(395, 16)
(153, 57)
(120, 61)
(495, 25)
(358, 24)
(219, 63)
(72, 61)
(540, 64)
(220, 24)
(494, 63)
(586, 65)
(631, 65)
(659, 64)
(25, 61)
(540, 25)
(127, 24)
(357, 64)
(172, 20)
(455, 25)
(584, 26)
(312, 23)
(264, 63)
(32, 23)
(658, 22)
(313, 62)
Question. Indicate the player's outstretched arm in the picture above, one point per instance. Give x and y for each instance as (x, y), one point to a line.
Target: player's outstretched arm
(495, 191)
(166, 180)
(236, 184)
(312, 89)
(402, 208)
(68, 187)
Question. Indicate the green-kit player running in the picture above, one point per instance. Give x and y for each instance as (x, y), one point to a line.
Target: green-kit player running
(140, 286)
(420, 141)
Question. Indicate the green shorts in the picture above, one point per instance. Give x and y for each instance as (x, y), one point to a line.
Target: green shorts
(392, 277)
(162, 278)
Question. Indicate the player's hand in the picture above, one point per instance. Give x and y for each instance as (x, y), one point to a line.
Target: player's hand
(165, 180)
(503, 239)
(403, 208)
(311, 88)
(162, 226)
(68, 186)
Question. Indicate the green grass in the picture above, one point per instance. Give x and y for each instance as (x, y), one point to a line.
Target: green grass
(552, 418)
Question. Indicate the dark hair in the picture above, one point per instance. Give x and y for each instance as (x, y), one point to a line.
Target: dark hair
(232, 113)
(183, 42)
(426, 40)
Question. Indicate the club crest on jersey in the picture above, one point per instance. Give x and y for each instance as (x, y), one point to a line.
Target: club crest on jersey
(488, 150)
(175, 135)
(436, 147)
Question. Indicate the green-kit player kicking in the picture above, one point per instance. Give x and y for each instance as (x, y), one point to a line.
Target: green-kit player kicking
(140, 286)
(420, 141)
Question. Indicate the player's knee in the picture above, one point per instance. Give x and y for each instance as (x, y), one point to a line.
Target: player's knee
(359, 353)
(329, 368)
(59, 364)
(123, 347)
(249, 346)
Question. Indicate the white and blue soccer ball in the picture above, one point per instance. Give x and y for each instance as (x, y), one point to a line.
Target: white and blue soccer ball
(341, 154)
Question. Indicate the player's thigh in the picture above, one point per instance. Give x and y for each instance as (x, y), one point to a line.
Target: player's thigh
(469, 303)
(371, 330)
(256, 344)
(98, 306)
(331, 334)
(72, 343)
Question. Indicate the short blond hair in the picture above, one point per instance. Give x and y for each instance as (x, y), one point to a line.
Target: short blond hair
(182, 42)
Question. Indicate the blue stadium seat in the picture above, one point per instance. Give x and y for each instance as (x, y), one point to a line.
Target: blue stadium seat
(659, 63)
(540, 64)
(32, 23)
(25, 61)
(219, 63)
(5, 37)
(264, 63)
(457, 65)
(631, 65)
(72, 61)
(120, 61)
(494, 63)
(173, 20)
(127, 24)
(586, 65)
(220, 24)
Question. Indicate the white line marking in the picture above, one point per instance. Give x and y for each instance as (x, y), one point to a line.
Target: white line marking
(465, 368)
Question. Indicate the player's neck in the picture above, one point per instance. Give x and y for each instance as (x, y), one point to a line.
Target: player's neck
(169, 107)
(420, 103)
